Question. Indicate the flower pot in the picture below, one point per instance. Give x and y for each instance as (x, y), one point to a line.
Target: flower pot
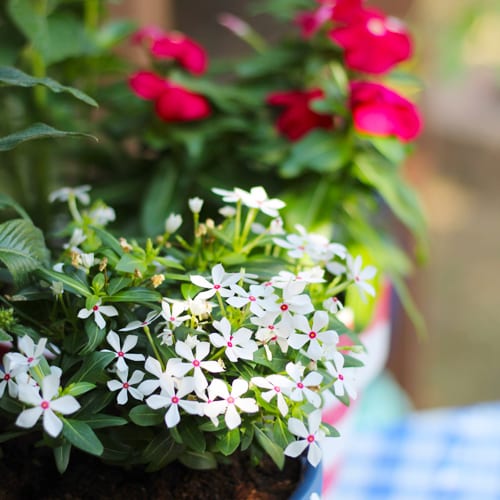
(311, 482)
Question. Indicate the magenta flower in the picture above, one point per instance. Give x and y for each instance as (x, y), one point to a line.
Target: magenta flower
(173, 103)
(373, 43)
(297, 118)
(378, 110)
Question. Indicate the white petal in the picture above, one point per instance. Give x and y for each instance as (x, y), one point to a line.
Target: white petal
(217, 340)
(122, 397)
(130, 342)
(84, 313)
(239, 386)
(200, 281)
(214, 408)
(192, 407)
(314, 421)
(282, 406)
(248, 405)
(183, 350)
(65, 405)
(52, 425)
(134, 357)
(314, 454)
(297, 340)
(98, 318)
(113, 340)
(211, 366)
(29, 394)
(108, 310)
(135, 393)
(232, 417)
(28, 418)
(172, 417)
(295, 448)
(155, 401)
(149, 386)
(153, 366)
(121, 364)
(297, 427)
(136, 377)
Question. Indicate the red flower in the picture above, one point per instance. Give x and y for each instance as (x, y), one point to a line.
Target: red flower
(182, 49)
(173, 103)
(378, 110)
(298, 119)
(147, 34)
(373, 43)
(343, 11)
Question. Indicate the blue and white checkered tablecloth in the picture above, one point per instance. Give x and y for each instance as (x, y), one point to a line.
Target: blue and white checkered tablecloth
(433, 455)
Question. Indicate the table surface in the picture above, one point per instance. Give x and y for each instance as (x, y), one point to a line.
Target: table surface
(440, 454)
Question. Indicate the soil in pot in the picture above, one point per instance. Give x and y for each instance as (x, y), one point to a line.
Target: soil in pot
(27, 473)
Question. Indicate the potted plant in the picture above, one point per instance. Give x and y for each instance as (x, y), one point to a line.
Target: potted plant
(147, 352)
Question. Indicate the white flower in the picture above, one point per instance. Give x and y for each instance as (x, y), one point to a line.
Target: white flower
(260, 298)
(313, 334)
(302, 385)
(359, 275)
(7, 375)
(271, 331)
(31, 353)
(172, 399)
(237, 345)
(87, 260)
(63, 194)
(172, 315)
(133, 325)
(312, 438)
(153, 366)
(345, 379)
(257, 198)
(227, 211)
(221, 281)
(230, 402)
(293, 301)
(275, 384)
(195, 204)
(124, 385)
(102, 215)
(172, 223)
(98, 311)
(229, 196)
(199, 306)
(57, 288)
(46, 404)
(77, 238)
(122, 352)
(332, 305)
(196, 363)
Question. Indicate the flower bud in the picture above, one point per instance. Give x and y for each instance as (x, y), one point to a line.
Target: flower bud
(173, 223)
(195, 204)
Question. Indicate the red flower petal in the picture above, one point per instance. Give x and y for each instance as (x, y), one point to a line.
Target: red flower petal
(147, 85)
(180, 105)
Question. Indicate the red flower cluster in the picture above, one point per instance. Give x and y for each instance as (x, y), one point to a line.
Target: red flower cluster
(173, 103)
(298, 118)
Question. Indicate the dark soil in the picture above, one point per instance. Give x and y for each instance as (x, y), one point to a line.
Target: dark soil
(31, 474)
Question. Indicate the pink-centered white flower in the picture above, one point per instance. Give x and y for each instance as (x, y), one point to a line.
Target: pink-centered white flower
(333, 305)
(172, 314)
(30, 354)
(345, 381)
(65, 193)
(237, 345)
(231, 401)
(7, 376)
(311, 438)
(126, 386)
(304, 387)
(229, 196)
(221, 282)
(122, 351)
(314, 334)
(271, 331)
(360, 276)
(134, 325)
(195, 363)
(257, 198)
(276, 385)
(99, 311)
(47, 404)
(153, 367)
(293, 302)
(171, 398)
(260, 299)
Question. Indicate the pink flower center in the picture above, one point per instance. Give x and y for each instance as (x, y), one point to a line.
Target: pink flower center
(45, 405)
(271, 327)
(284, 307)
(126, 385)
(230, 400)
(95, 308)
(268, 283)
(196, 363)
(216, 287)
(252, 298)
(230, 344)
(357, 279)
(312, 335)
(6, 376)
(341, 377)
(31, 359)
(175, 400)
(310, 438)
(120, 354)
(274, 338)
(376, 27)
(276, 389)
(335, 299)
(300, 385)
(172, 318)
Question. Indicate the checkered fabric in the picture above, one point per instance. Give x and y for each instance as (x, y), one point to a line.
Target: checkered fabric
(450, 454)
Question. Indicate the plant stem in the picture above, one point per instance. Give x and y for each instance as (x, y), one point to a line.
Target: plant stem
(91, 15)
(158, 355)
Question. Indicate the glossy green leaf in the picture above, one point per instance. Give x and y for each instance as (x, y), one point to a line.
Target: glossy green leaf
(160, 451)
(70, 284)
(198, 460)
(144, 416)
(80, 434)
(7, 202)
(36, 131)
(92, 367)
(228, 443)
(61, 456)
(130, 263)
(270, 447)
(102, 421)
(79, 388)
(135, 295)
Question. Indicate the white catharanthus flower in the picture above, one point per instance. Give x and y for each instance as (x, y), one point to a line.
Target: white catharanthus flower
(345, 381)
(47, 404)
(195, 204)
(304, 387)
(227, 211)
(221, 281)
(171, 398)
(229, 196)
(125, 386)
(99, 311)
(196, 363)
(77, 238)
(333, 305)
(359, 275)
(122, 351)
(172, 223)
(134, 325)
(238, 344)
(172, 314)
(30, 354)
(315, 335)
(102, 215)
(294, 301)
(259, 299)
(199, 307)
(311, 438)
(63, 194)
(7, 376)
(257, 198)
(230, 403)
(153, 367)
(275, 385)
(271, 331)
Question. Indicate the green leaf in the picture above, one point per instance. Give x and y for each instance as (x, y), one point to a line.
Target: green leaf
(4, 336)
(191, 435)
(92, 367)
(228, 442)
(22, 248)
(270, 447)
(79, 388)
(129, 263)
(37, 131)
(144, 416)
(134, 295)
(320, 151)
(7, 202)
(94, 402)
(70, 284)
(102, 420)
(61, 456)
(82, 436)
(117, 284)
(16, 77)
(197, 460)
(95, 337)
(160, 451)
(108, 240)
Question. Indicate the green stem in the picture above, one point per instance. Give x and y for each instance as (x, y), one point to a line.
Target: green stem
(237, 225)
(158, 355)
(316, 202)
(221, 304)
(91, 15)
(73, 208)
(252, 214)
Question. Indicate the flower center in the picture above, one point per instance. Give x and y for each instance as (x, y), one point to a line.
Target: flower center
(271, 327)
(310, 438)
(120, 354)
(230, 344)
(175, 400)
(284, 307)
(276, 389)
(230, 400)
(376, 27)
(126, 385)
(95, 308)
(312, 335)
(172, 318)
(45, 405)
(216, 287)
(252, 298)
(341, 377)
(31, 359)
(6, 376)
(196, 363)
(300, 385)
